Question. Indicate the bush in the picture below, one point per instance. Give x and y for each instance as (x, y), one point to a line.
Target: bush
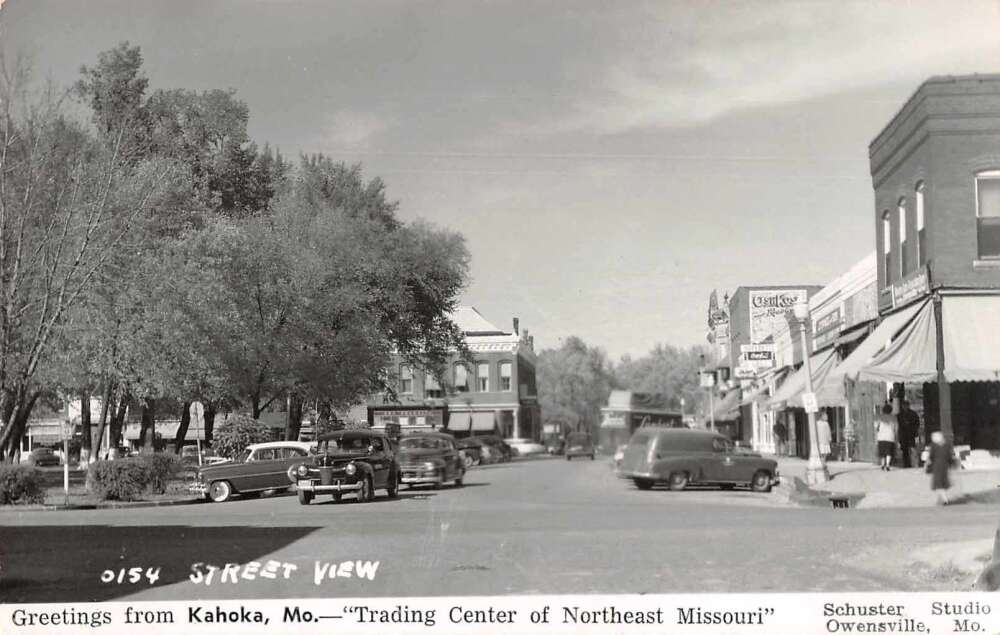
(236, 433)
(161, 467)
(121, 480)
(21, 485)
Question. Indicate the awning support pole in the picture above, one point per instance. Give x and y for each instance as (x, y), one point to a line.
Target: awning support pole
(944, 388)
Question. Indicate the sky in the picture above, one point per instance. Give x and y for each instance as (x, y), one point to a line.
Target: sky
(609, 164)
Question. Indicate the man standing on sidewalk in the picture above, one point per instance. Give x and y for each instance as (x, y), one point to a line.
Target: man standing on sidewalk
(909, 424)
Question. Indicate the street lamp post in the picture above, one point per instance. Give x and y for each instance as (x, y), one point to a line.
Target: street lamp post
(816, 472)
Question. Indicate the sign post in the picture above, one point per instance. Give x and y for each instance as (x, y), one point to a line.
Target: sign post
(197, 411)
(67, 432)
(707, 378)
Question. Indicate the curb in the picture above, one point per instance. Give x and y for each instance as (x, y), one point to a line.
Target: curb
(97, 506)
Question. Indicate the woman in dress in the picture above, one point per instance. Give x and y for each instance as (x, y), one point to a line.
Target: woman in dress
(939, 465)
(885, 434)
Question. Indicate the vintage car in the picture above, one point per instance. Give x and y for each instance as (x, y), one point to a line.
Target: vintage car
(42, 457)
(525, 447)
(260, 467)
(500, 452)
(430, 458)
(471, 451)
(679, 457)
(579, 444)
(358, 461)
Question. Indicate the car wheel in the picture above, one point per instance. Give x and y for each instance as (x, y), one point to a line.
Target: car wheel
(469, 461)
(337, 497)
(220, 491)
(365, 494)
(569, 458)
(459, 480)
(393, 489)
(726, 486)
(643, 483)
(305, 497)
(678, 481)
(591, 457)
(761, 482)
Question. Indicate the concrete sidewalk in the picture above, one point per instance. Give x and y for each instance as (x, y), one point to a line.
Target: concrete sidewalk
(867, 486)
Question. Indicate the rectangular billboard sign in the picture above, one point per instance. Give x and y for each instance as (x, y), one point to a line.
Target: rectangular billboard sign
(769, 310)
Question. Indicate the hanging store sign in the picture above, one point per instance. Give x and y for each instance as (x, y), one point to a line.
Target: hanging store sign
(827, 328)
(744, 372)
(757, 356)
(769, 310)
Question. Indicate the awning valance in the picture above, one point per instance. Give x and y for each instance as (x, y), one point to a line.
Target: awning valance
(471, 422)
(872, 344)
(788, 393)
(971, 345)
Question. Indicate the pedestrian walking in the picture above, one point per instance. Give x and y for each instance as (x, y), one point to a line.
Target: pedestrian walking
(885, 434)
(939, 465)
(780, 435)
(823, 434)
(909, 426)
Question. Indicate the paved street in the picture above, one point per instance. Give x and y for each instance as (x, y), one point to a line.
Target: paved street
(534, 526)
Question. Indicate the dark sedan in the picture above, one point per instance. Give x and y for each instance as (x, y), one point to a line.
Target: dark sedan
(42, 457)
(358, 461)
(430, 458)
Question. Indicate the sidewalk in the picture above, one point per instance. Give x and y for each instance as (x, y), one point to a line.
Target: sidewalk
(867, 486)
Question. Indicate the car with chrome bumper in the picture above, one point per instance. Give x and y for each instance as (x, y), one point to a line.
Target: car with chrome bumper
(430, 458)
(259, 468)
(349, 461)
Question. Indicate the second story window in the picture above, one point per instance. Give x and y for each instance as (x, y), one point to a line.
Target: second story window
(904, 263)
(405, 380)
(505, 376)
(921, 232)
(988, 213)
(432, 388)
(461, 378)
(887, 247)
(483, 377)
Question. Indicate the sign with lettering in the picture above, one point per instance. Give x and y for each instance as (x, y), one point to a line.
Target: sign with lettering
(769, 309)
(809, 402)
(744, 372)
(911, 287)
(757, 356)
(826, 327)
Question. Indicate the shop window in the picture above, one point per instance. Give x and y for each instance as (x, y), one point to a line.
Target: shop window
(988, 213)
(483, 376)
(461, 378)
(887, 247)
(432, 387)
(921, 242)
(904, 263)
(405, 380)
(505, 376)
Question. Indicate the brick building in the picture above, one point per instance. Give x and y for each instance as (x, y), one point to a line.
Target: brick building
(936, 175)
(495, 393)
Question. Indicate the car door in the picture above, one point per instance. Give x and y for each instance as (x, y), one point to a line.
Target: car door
(266, 472)
(453, 459)
(381, 462)
(732, 464)
(718, 465)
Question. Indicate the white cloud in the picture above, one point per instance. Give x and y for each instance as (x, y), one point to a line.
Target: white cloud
(352, 130)
(691, 65)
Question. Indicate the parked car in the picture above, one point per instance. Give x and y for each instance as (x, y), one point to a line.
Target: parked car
(42, 457)
(260, 467)
(430, 458)
(525, 447)
(500, 451)
(579, 444)
(680, 457)
(471, 451)
(358, 461)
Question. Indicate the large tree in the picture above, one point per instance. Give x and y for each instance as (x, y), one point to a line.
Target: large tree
(668, 370)
(574, 382)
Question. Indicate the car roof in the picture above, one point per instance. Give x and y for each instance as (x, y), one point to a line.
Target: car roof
(302, 445)
(339, 434)
(679, 432)
(438, 435)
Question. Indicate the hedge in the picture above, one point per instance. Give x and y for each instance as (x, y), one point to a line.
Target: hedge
(21, 485)
(121, 480)
(162, 467)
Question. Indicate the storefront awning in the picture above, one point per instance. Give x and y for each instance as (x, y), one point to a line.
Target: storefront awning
(471, 422)
(728, 407)
(867, 349)
(788, 393)
(971, 347)
(852, 336)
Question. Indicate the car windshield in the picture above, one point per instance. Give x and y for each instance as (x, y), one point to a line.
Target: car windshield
(578, 439)
(345, 444)
(423, 443)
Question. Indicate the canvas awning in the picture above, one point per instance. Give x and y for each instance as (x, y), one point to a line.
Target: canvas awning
(848, 369)
(728, 407)
(788, 393)
(971, 347)
(471, 422)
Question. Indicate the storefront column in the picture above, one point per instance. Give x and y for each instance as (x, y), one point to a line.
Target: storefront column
(944, 388)
(517, 425)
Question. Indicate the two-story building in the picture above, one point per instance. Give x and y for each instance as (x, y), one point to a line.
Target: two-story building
(936, 175)
(494, 393)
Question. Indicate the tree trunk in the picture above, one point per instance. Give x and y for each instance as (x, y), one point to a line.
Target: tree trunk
(209, 421)
(118, 422)
(86, 441)
(105, 406)
(17, 424)
(293, 422)
(147, 428)
(182, 429)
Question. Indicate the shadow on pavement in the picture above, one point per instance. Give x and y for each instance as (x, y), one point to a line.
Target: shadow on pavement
(65, 563)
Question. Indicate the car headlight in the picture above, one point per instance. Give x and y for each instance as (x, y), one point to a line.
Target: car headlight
(303, 470)
(351, 469)
(429, 465)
